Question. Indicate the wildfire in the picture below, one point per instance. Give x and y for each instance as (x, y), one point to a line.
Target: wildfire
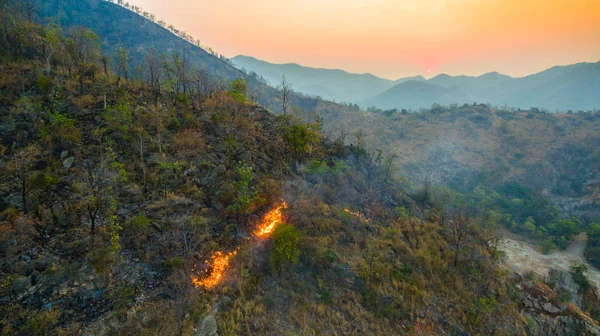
(359, 215)
(219, 263)
(271, 219)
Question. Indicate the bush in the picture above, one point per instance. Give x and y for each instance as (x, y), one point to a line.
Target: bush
(41, 322)
(548, 246)
(285, 246)
(593, 256)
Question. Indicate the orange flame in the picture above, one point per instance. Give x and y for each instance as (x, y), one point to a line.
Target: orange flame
(219, 264)
(219, 261)
(359, 215)
(271, 219)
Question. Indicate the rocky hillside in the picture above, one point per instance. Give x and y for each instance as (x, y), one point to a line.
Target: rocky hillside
(153, 206)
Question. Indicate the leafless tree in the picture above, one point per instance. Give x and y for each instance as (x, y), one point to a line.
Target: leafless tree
(95, 187)
(21, 165)
(154, 64)
(285, 90)
(457, 230)
(29, 8)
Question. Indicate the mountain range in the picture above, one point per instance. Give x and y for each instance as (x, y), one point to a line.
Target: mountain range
(561, 88)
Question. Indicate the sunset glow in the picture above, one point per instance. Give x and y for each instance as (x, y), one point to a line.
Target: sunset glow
(396, 38)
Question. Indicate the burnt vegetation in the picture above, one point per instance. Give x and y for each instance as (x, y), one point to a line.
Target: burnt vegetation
(117, 186)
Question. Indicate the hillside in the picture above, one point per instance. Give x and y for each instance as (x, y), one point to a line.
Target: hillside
(146, 44)
(119, 27)
(152, 206)
(128, 210)
(556, 154)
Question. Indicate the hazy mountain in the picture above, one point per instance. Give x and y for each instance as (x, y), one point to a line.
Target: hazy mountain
(330, 84)
(562, 88)
(572, 87)
(416, 94)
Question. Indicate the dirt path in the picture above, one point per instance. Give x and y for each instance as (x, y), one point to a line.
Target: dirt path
(523, 256)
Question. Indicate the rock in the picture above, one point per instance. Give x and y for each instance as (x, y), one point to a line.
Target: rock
(24, 268)
(41, 265)
(63, 289)
(26, 258)
(68, 162)
(64, 155)
(208, 326)
(35, 277)
(548, 307)
(59, 213)
(20, 285)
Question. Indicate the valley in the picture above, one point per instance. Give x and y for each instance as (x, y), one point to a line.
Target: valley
(523, 257)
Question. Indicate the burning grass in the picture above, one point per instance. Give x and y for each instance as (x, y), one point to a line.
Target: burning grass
(270, 220)
(219, 262)
(359, 215)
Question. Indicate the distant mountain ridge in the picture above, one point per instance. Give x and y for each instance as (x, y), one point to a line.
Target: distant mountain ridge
(560, 88)
(331, 84)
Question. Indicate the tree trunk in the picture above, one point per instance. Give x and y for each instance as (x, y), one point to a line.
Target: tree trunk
(24, 194)
(93, 220)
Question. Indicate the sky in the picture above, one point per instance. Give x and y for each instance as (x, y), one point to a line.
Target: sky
(395, 38)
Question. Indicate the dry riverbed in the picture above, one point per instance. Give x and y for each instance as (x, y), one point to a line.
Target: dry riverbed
(523, 256)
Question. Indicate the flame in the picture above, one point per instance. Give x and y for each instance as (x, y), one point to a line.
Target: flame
(270, 220)
(359, 215)
(219, 263)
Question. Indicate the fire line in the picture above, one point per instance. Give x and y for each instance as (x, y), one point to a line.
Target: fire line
(219, 262)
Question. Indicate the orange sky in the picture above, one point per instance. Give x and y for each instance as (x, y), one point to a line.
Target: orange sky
(395, 38)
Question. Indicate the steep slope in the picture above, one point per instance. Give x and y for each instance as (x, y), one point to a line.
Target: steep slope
(120, 27)
(330, 84)
(126, 211)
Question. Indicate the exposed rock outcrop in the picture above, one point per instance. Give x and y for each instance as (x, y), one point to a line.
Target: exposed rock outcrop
(545, 316)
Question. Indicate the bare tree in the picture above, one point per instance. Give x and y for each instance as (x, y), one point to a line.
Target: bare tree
(29, 8)
(84, 49)
(95, 187)
(21, 165)
(457, 230)
(181, 70)
(153, 64)
(286, 94)
(51, 42)
(123, 59)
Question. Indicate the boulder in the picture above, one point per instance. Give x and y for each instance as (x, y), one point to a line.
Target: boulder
(21, 285)
(41, 265)
(208, 326)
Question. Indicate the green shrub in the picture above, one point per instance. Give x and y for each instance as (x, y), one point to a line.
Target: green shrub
(137, 223)
(548, 246)
(40, 323)
(285, 246)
